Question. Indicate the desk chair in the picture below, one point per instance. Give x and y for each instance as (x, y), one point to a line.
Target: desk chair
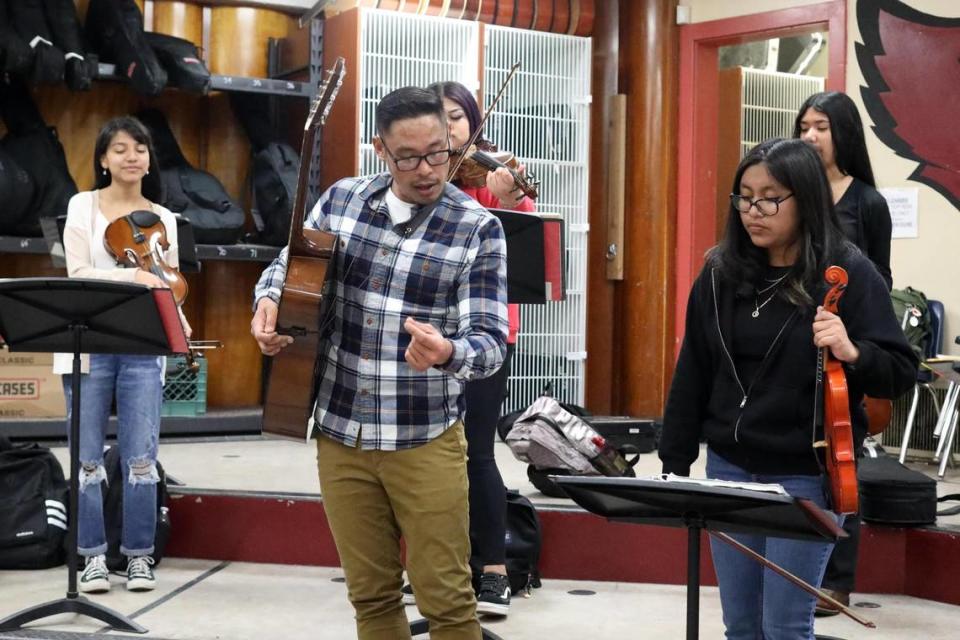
(946, 429)
(932, 348)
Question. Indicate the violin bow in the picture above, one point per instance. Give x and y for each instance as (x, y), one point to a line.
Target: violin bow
(476, 133)
(792, 578)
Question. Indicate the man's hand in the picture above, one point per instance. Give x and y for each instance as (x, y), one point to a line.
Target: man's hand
(427, 346)
(829, 331)
(263, 328)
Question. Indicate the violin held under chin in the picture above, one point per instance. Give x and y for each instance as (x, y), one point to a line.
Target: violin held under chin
(470, 166)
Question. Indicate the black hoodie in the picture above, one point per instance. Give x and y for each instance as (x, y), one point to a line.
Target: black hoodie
(769, 427)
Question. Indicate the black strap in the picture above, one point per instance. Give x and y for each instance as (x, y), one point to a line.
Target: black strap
(950, 511)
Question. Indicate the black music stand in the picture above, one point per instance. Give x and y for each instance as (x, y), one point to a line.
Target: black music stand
(84, 316)
(420, 627)
(697, 507)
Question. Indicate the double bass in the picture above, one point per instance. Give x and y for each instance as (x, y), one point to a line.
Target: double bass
(837, 426)
(305, 299)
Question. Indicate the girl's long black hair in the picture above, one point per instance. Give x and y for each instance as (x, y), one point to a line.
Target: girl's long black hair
(152, 187)
(795, 165)
(846, 130)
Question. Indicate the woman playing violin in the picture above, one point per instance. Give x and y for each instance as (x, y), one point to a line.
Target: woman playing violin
(746, 378)
(127, 180)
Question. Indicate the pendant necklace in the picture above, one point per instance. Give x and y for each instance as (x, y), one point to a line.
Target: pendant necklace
(757, 305)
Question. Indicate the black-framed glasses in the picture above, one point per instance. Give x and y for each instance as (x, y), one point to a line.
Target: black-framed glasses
(409, 163)
(765, 206)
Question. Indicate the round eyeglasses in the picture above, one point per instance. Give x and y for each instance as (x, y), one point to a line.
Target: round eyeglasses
(765, 206)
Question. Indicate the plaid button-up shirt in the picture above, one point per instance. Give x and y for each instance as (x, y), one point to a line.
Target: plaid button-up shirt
(449, 270)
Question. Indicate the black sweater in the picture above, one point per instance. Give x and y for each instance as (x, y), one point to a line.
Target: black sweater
(767, 427)
(865, 218)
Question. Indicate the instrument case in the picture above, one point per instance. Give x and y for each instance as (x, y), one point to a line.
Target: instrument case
(643, 434)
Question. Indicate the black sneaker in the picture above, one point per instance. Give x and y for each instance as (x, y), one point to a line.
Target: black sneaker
(407, 594)
(139, 574)
(494, 595)
(95, 578)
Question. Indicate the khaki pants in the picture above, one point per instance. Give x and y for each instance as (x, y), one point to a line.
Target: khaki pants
(371, 499)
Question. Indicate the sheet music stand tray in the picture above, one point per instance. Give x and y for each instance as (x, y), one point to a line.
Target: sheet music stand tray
(699, 507)
(84, 316)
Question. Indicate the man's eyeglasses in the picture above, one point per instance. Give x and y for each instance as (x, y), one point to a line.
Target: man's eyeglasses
(765, 206)
(409, 163)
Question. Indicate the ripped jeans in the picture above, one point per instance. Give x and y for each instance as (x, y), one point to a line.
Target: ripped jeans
(138, 385)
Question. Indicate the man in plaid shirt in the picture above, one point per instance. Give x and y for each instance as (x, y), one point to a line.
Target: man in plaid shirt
(420, 307)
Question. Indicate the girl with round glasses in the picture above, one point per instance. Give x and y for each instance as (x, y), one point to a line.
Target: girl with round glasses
(746, 378)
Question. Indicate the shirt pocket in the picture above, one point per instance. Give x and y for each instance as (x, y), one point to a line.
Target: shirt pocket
(431, 287)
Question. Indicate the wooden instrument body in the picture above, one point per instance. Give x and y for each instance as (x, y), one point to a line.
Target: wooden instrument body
(837, 426)
(306, 297)
(305, 308)
(142, 247)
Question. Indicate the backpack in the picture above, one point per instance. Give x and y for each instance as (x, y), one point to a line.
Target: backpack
(523, 542)
(16, 56)
(275, 171)
(554, 441)
(113, 511)
(64, 23)
(181, 59)
(30, 22)
(115, 31)
(33, 507)
(16, 192)
(910, 307)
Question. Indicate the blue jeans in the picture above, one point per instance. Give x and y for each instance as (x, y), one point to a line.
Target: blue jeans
(138, 385)
(757, 603)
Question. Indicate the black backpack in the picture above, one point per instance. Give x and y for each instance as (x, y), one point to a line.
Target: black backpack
(194, 194)
(115, 31)
(523, 542)
(80, 68)
(16, 193)
(33, 507)
(181, 59)
(275, 171)
(113, 511)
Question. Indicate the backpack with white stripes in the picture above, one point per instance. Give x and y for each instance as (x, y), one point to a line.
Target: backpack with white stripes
(33, 511)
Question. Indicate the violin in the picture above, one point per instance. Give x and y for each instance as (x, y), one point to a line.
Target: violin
(837, 427)
(472, 165)
(138, 240)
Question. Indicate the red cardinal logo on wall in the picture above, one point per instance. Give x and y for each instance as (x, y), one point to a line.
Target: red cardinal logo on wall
(911, 63)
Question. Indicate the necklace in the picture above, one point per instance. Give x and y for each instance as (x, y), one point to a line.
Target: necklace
(760, 292)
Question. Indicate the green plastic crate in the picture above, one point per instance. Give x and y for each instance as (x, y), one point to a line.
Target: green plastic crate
(184, 393)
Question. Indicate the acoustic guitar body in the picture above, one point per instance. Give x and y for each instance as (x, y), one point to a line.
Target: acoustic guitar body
(304, 314)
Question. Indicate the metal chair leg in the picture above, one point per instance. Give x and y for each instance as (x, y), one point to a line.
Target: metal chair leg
(947, 439)
(944, 419)
(908, 427)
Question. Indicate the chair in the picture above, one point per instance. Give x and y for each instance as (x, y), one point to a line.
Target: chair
(932, 348)
(946, 429)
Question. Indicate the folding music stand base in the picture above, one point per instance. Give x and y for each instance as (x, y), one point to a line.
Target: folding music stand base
(77, 604)
(72, 603)
(420, 627)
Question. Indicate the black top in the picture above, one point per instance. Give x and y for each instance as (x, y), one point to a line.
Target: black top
(763, 420)
(865, 220)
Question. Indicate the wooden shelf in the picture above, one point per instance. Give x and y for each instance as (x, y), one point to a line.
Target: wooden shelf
(244, 252)
(268, 86)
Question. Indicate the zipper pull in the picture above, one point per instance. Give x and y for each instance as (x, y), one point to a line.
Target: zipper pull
(743, 402)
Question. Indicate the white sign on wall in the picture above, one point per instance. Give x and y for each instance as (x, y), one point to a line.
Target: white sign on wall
(903, 211)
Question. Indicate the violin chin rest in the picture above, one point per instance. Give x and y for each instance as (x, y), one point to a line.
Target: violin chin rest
(143, 218)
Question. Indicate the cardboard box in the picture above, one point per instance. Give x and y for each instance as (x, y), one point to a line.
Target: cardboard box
(28, 387)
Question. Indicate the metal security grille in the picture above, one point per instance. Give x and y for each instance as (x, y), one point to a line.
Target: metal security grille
(399, 50)
(544, 118)
(770, 103)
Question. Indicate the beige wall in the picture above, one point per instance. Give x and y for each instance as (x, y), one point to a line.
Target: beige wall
(927, 262)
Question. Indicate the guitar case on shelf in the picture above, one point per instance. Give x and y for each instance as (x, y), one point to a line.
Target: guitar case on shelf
(80, 68)
(36, 149)
(115, 31)
(196, 195)
(30, 22)
(181, 59)
(16, 56)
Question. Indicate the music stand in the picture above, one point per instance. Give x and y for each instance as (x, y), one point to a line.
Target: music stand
(697, 507)
(84, 316)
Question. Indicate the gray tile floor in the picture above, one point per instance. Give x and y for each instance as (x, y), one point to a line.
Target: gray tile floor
(208, 600)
